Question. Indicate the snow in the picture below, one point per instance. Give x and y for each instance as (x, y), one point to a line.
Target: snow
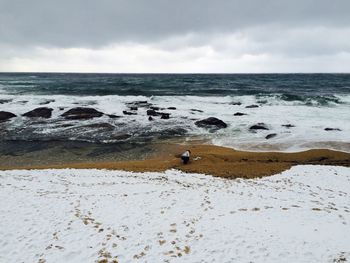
(301, 215)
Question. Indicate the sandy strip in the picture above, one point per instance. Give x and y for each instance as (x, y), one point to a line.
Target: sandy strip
(213, 160)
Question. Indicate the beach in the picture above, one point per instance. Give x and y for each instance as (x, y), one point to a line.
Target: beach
(90, 168)
(205, 159)
(175, 131)
(224, 205)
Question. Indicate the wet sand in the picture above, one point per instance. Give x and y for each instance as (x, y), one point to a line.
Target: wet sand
(205, 159)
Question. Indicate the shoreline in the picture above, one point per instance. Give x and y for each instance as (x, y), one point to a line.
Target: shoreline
(206, 159)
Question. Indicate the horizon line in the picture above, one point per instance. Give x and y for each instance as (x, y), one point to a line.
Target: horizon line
(168, 73)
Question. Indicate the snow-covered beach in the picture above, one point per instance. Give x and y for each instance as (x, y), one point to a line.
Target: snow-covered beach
(300, 215)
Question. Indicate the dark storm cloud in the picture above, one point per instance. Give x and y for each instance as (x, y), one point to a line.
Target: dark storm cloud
(70, 23)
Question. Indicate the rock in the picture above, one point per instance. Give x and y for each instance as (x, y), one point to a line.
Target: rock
(239, 114)
(150, 118)
(288, 125)
(157, 113)
(271, 135)
(152, 113)
(171, 108)
(61, 108)
(129, 113)
(252, 106)
(211, 122)
(141, 104)
(42, 112)
(112, 116)
(155, 108)
(332, 129)
(46, 102)
(5, 116)
(81, 113)
(5, 101)
(236, 103)
(133, 108)
(259, 126)
(165, 116)
(196, 110)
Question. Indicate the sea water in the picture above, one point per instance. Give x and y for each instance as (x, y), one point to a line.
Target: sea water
(297, 108)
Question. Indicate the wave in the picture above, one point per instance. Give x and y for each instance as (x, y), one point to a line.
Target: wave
(294, 120)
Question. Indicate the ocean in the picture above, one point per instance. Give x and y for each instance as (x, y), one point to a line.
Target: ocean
(297, 111)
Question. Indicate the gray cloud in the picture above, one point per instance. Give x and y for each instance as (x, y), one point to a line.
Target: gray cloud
(94, 23)
(175, 36)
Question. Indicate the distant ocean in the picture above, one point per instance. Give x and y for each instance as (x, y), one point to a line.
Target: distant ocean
(298, 111)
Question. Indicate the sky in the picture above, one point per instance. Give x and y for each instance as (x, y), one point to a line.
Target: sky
(182, 36)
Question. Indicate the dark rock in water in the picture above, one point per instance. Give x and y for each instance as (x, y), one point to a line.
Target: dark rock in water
(5, 116)
(46, 102)
(332, 129)
(61, 108)
(82, 113)
(155, 108)
(139, 104)
(252, 106)
(129, 113)
(211, 122)
(157, 113)
(196, 110)
(288, 125)
(133, 108)
(271, 135)
(165, 116)
(236, 103)
(171, 108)
(152, 113)
(5, 101)
(239, 114)
(42, 112)
(112, 116)
(259, 126)
(150, 118)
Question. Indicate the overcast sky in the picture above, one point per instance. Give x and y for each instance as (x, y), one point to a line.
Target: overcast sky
(175, 36)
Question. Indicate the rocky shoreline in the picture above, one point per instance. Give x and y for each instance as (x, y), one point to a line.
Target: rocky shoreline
(74, 123)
